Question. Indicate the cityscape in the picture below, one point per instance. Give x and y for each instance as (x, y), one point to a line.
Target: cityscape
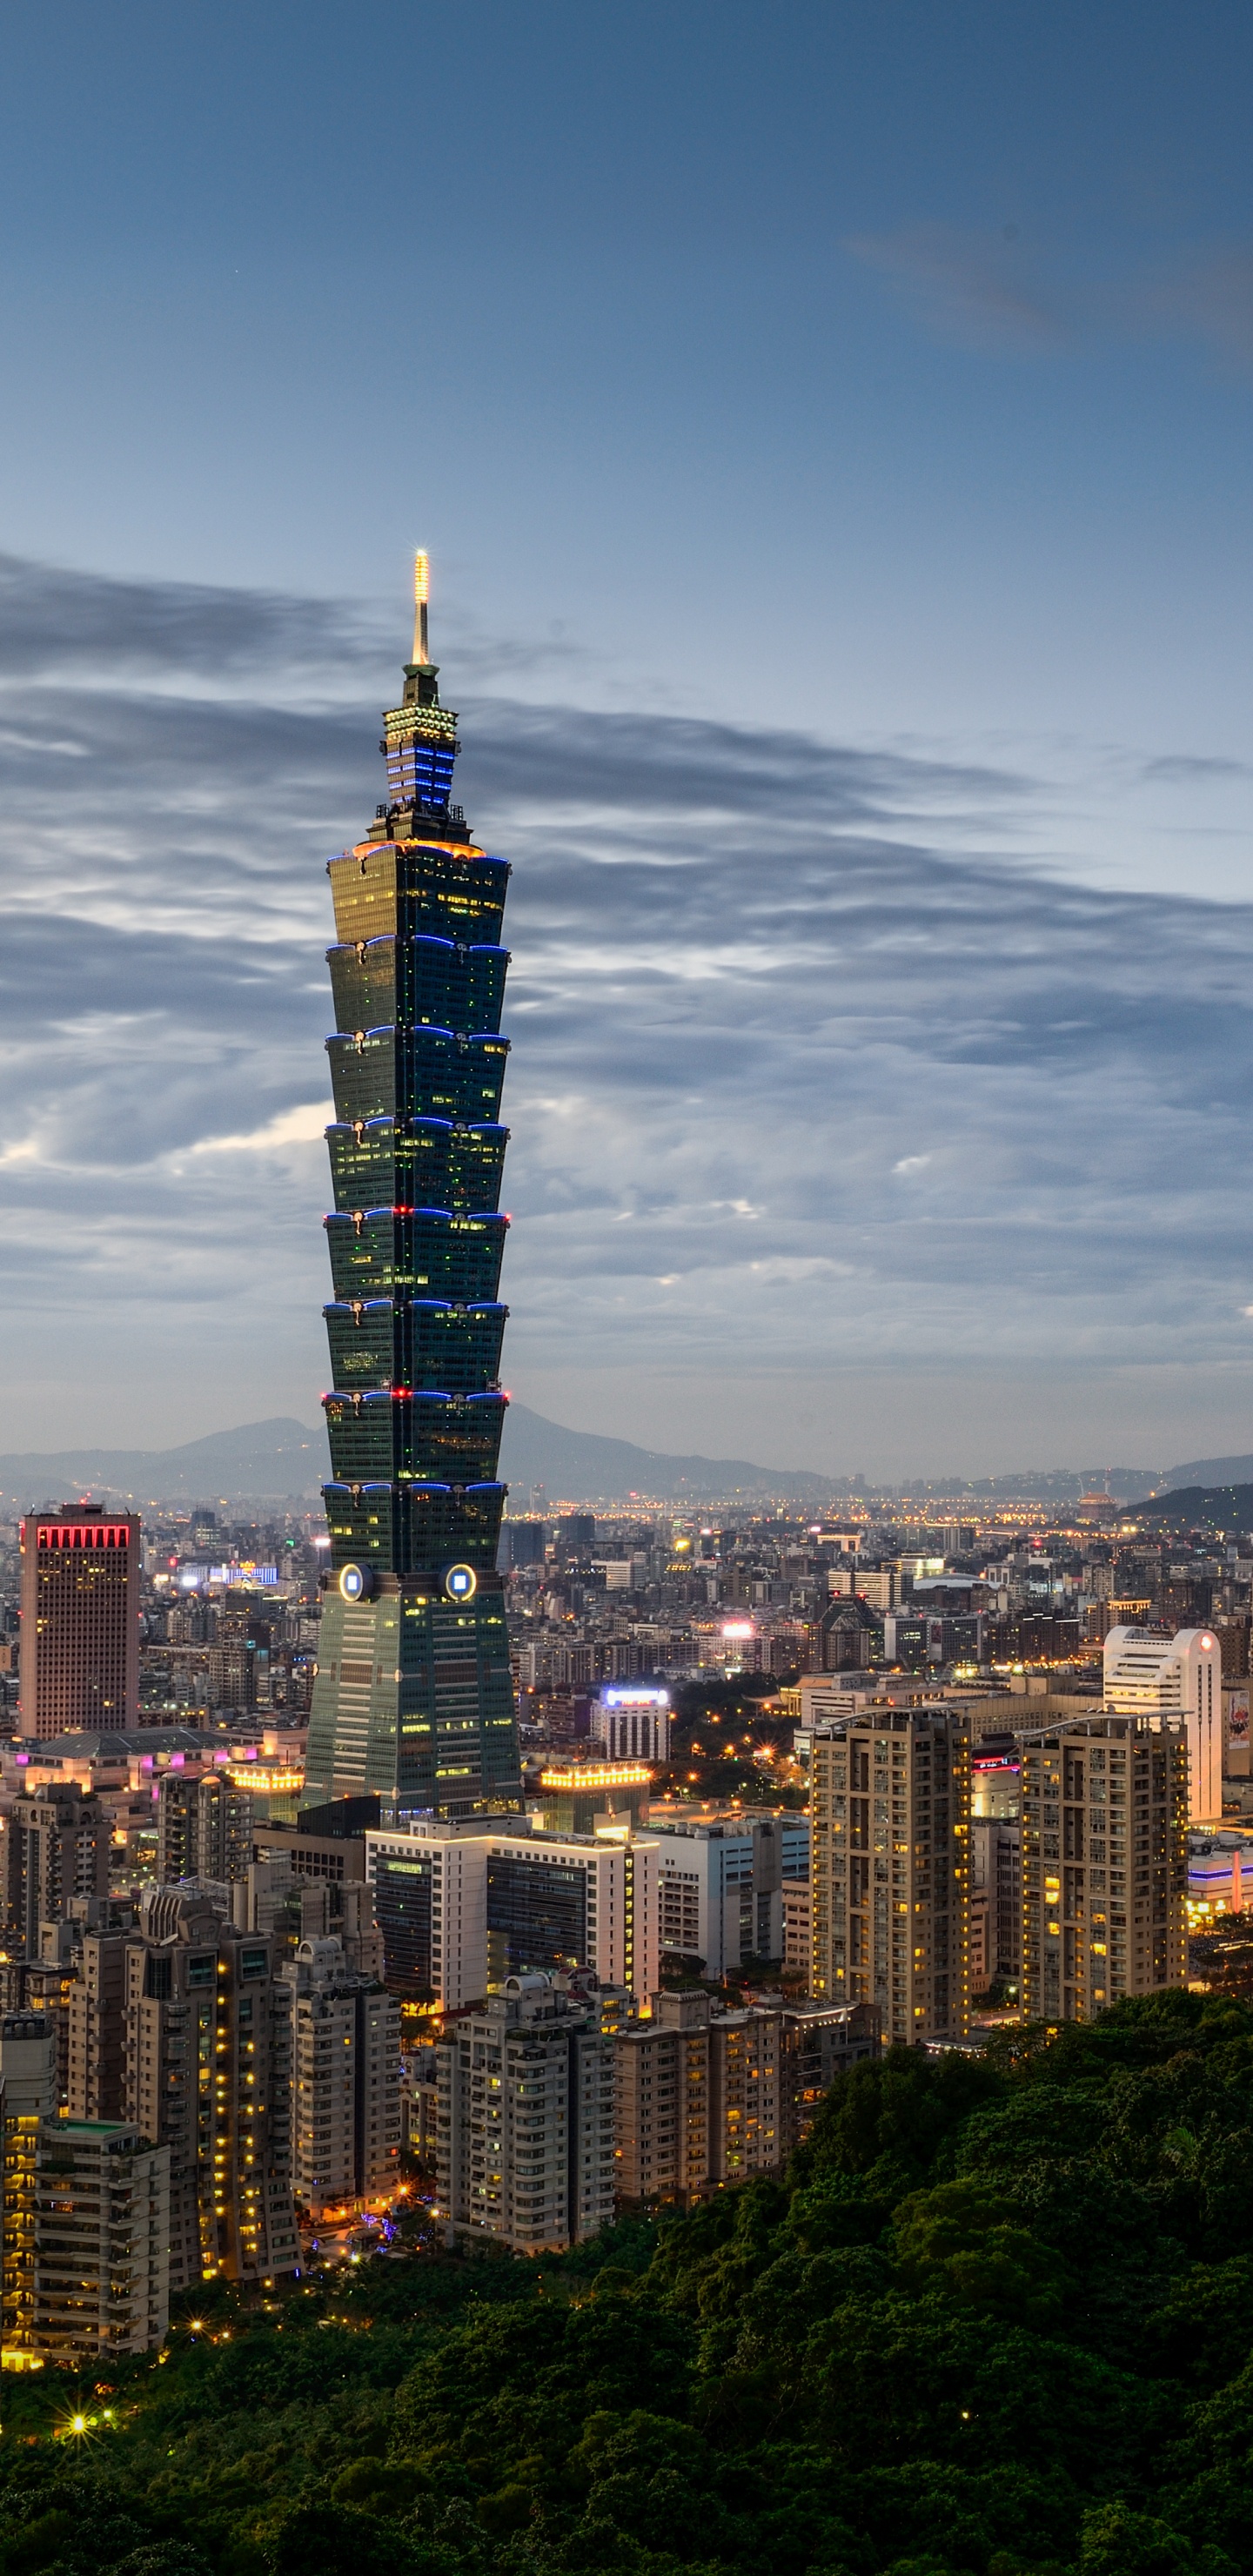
(573, 2003)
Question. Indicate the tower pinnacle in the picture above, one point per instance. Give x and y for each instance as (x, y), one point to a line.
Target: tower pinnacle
(421, 594)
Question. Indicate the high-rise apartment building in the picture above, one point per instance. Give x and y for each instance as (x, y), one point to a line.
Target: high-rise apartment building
(995, 1903)
(1104, 1863)
(798, 1925)
(207, 2031)
(662, 2102)
(705, 2097)
(204, 1828)
(56, 1847)
(80, 1620)
(345, 2080)
(28, 2097)
(995, 1865)
(890, 1872)
(101, 2241)
(413, 1696)
(96, 2086)
(1161, 1678)
(526, 2120)
(86, 2260)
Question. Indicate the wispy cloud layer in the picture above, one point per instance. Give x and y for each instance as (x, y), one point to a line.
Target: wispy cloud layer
(810, 1060)
(992, 287)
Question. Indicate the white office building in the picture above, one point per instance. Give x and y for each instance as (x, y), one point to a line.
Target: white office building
(430, 1904)
(632, 1723)
(461, 1911)
(1161, 1678)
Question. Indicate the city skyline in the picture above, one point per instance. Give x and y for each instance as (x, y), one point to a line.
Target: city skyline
(849, 572)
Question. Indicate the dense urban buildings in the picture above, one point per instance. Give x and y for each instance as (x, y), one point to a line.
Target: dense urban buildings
(80, 1614)
(252, 1969)
(413, 1697)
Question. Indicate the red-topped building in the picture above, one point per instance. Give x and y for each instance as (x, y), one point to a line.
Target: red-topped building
(80, 1619)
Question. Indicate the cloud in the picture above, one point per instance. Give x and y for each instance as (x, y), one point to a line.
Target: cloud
(303, 1126)
(968, 285)
(985, 287)
(755, 976)
(1204, 294)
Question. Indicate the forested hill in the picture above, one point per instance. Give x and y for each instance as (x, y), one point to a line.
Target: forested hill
(997, 2320)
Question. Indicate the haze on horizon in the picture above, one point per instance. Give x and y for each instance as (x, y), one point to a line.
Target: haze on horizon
(830, 429)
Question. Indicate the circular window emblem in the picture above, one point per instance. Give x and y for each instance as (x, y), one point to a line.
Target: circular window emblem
(355, 1581)
(461, 1583)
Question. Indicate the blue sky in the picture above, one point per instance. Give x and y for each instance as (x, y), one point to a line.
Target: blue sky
(831, 429)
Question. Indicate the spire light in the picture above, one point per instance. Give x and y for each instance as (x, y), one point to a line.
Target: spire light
(421, 594)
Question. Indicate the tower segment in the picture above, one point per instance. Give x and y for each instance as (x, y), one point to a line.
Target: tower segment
(413, 1696)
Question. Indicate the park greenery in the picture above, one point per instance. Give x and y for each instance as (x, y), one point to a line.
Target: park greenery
(730, 1745)
(995, 2318)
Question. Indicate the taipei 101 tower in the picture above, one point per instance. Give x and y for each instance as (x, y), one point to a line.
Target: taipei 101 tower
(413, 1697)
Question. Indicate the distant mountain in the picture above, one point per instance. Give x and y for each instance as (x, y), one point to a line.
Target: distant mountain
(581, 1467)
(1211, 1471)
(284, 1460)
(273, 1461)
(1219, 1507)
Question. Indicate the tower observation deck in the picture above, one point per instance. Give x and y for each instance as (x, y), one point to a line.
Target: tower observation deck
(413, 1696)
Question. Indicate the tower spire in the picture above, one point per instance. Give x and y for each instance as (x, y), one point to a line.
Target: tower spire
(421, 594)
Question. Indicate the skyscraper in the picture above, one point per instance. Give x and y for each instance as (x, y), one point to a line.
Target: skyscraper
(80, 1619)
(413, 1696)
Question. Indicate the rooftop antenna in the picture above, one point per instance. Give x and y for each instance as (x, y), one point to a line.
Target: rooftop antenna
(421, 594)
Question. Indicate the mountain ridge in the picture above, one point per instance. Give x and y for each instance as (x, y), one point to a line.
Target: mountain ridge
(282, 1459)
